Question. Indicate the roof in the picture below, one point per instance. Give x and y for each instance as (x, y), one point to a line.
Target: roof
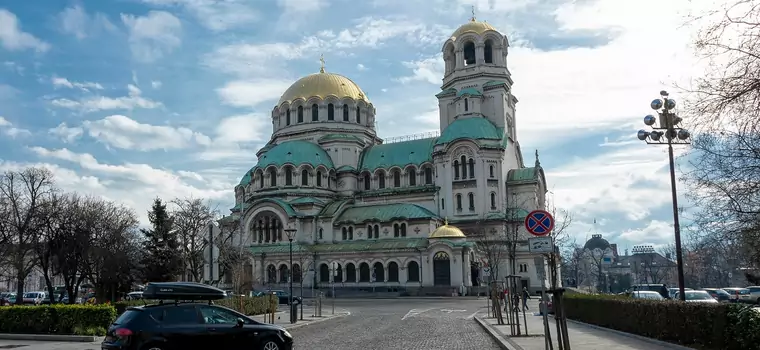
(597, 242)
(476, 128)
(330, 209)
(344, 246)
(323, 85)
(398, 154)
(295, 152)
(339, 137)
(306, 200)
(472, 26)
(383, 213)
(469, 91)
(447, 231)
(522, 174)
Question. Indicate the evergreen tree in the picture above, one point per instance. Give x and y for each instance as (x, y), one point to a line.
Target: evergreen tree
(162, 260)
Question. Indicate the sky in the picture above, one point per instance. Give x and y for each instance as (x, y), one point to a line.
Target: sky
(137, 99)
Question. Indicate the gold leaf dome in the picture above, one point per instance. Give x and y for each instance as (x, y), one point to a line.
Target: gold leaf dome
(447, 231)
(472, 26)
(321, 85)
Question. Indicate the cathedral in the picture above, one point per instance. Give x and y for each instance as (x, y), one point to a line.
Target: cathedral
(406, 216)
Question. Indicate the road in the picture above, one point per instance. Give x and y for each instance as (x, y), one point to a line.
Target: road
(418, 324)
(415, 324)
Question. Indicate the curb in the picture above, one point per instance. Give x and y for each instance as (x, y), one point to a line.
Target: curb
(51, 337)
(299, 325)
(504, 343)
(633, 336)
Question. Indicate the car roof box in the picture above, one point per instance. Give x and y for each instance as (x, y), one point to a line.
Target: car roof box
(182, 291)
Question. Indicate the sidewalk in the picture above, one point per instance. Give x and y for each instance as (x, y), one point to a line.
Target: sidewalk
(582, 336)
(282, 318)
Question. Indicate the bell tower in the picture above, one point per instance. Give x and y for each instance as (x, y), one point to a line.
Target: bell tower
(476, 81)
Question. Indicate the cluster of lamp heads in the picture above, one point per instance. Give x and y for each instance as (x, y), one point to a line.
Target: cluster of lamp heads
(668, 121)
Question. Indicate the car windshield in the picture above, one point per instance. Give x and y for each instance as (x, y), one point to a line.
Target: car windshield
(697, 295)
(721, 292)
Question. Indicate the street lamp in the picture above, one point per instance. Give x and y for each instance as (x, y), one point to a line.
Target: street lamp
(665, 131)
(291, 233)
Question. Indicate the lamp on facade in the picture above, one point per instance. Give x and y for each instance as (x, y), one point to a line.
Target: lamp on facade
(666, 131)
(291, 234)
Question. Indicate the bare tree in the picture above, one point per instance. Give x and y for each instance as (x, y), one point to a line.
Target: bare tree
(572, 261)
(24, 192)
(53, 214)
(234, 258)
(192, 217)
(491, 244)
(562, 220)
(305, 261)
(725, 102)
(594, 260)
(649, 268)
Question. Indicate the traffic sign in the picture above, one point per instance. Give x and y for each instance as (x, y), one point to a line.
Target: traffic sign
(539, 223)
(540, 244)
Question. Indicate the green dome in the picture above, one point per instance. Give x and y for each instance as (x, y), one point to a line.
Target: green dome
(476, 128)
(295, 153)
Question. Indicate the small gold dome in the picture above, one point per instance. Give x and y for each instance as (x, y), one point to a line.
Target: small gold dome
(447, 231)
(472, 26)
(321, 85)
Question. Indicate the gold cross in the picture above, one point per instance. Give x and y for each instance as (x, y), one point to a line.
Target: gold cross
(473, 14)
(322, 61)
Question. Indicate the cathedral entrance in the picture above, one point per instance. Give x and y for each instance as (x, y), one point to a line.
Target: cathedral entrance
(441, 269)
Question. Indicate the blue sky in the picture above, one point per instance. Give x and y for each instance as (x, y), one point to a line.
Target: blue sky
(133, 99)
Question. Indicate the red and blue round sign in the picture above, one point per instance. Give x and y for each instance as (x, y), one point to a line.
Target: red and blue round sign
(539, 223)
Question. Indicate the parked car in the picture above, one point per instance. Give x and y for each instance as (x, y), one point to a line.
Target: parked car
(697, 296)
(672, 291)
(754, 293)
(7, 298)
(645, 294)
(739, 295)
(654, 287)
(284, 297)
(718, 294)
(34, 298)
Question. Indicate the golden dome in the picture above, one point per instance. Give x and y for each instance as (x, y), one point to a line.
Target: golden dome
(447, 231)
(472, 26)
(321, 85)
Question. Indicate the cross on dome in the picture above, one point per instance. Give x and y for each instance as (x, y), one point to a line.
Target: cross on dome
(473, 14)
(322, 62)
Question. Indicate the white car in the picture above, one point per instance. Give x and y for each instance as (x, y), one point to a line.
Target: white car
(644, 294)
(697, 296)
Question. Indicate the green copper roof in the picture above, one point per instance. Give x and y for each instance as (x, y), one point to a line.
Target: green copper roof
(383, 213)
(279, 248)
(296, 153)
(469, 128)
(306, 200)
(469, 91)
(493, 83)
(397, 154)
(346, 168)
(330, 209)
(339, 137)
(448, 91)
(344, 246)
(246, 178)
(524, 174)
(279, 202)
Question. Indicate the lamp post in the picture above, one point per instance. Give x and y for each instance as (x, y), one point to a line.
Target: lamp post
(665, 131)
(291, 233)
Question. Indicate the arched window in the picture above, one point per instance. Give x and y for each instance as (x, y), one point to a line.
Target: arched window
(272, 177)
(284, 273)
(459, 202)
(396, 178)
(358, 114)
(330, 112)
(469, 53)
(324, 273)
(364, 272)
(350, 272)
(463, 164)
(304, 177)
(456, 170)
(392, 272)
(413, 271)
(271, 274)
(350, 233)
(344, 233)
(403, 230)
(287, 117)
(490, 171)
(412, 177)
(472, 168)
(443, 204)
(369, 231)
(319, 179)
(428, 176)
(296, 273)
(381, 180)
(288, 177)
(367, 183)
(493, 200)
(321, 232)
(378, 272)
(466, 105)
(488, 51)
(345, 113)
(377, 231)
(314, 112)
(471, 200)
(300, 114)
(396, 230)
(261, 180)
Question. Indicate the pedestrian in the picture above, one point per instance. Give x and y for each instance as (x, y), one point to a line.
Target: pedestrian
(525, 297)
(516, 301)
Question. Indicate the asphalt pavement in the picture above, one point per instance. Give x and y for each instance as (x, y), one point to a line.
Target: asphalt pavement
(414, 324)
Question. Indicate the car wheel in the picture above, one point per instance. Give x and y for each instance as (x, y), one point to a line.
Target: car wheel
(270, 344)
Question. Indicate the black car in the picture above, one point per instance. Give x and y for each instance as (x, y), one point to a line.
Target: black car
(284, 297)
(191, 325)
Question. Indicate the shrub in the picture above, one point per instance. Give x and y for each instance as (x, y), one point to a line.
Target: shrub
(244, 305)
(705, 326)
(55, 319)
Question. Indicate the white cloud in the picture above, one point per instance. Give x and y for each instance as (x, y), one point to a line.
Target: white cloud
(154, 35)
(7, 128)
(4, 122)
(155, 84)
(361, 67)
(74, 20)
(252, 93)
(122, 132)
(237, 137)
(59, 82)
(102, 103)
(13, 38)
(428, 70)
(655, 233)
(214, 14)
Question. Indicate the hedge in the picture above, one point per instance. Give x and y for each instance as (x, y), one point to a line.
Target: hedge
(57, 319)
(698, 325)
(244, 305)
